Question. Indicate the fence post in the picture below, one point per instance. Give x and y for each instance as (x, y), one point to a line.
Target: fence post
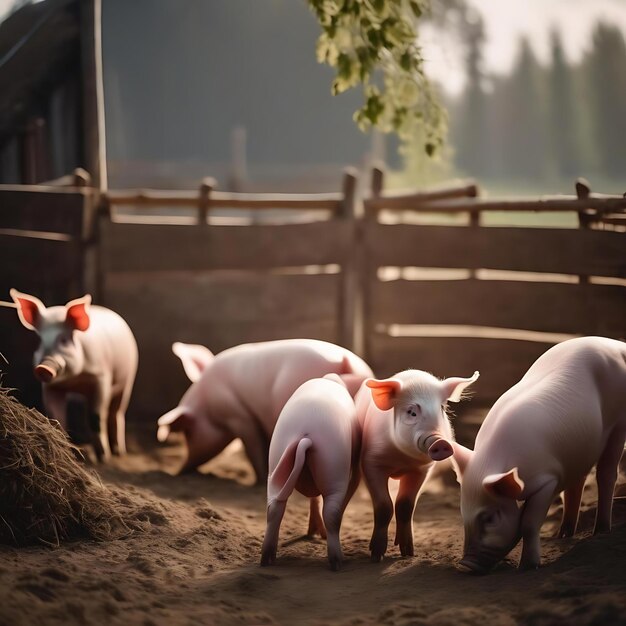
(350, 297)
(585, 218)
(204, 199)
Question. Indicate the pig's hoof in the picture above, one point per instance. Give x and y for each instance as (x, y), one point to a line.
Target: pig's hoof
(529, 566)
(268, 557)
(377, 557)
(335, 563)
(565, 531)
(406, 550)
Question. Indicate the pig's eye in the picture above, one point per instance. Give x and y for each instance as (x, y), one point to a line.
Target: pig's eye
(412, 414)
(64, 341)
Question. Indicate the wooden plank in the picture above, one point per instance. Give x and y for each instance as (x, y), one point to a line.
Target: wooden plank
(540, 306)
(56, 211)
(405, 200)
(415, 201)
(224, 199)
(142, 247)
(94, 132)
(30, 260)
(192, 302)
(552, 250)
(501, 362)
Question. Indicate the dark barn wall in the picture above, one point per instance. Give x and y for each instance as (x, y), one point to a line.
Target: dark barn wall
(180, 75)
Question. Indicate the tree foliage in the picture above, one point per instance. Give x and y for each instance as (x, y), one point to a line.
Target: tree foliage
(373, 43)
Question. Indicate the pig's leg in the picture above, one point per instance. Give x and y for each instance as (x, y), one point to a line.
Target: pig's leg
(116, 426)
(535, 512)
(355, 479)
(410, 485)
(571, 506)
(275, 512)
(377, 482)
(56, 405)
(606, 475)
(316, 523)
(257, 447)
(332, 512)
(102, 401)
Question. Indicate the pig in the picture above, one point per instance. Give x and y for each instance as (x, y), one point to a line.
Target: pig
(541, 437)
(87, 350)
(405, 429)
(240, 392)
(314, 449)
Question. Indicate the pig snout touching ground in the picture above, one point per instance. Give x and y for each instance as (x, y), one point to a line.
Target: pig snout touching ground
(88, 351)
(314, 449)
(405, 429)
(239, 393)
(542, 437)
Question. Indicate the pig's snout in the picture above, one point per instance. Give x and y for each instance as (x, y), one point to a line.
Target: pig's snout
(440, 450)
(47, 370)
(435, 446)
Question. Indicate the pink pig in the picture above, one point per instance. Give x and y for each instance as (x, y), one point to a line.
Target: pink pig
(240, 392)
(314, 449)
(542, 437)
(405, 428)
(84, 349)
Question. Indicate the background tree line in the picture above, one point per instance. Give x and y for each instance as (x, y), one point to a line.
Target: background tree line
(543, 122)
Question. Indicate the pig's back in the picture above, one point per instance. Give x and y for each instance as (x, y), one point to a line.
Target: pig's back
(265, 375)
(559, 413)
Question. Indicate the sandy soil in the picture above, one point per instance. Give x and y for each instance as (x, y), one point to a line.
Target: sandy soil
(197, 563)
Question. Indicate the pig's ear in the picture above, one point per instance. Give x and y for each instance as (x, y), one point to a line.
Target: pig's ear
(507, 485)
(453, 388)
(194, 358)
(460, 458)
(77, 313)
(384, 392)
(29, 308)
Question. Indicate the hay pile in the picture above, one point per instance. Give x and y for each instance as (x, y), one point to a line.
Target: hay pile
(46, 496)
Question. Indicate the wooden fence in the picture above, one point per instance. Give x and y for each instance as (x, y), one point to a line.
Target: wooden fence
(220, 284)
(47, 249)
(415, 279)
(454, 298)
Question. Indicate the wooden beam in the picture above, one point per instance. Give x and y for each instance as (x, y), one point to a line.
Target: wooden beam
(537, 306)
(225, 199)
(163, 247)
(93, 92)
(553, 204)
(550, 250)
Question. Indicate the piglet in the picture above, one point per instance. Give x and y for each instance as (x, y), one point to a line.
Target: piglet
(405, 428)
(240, 392)
(314, 449)
(542, 437)
(86, 350)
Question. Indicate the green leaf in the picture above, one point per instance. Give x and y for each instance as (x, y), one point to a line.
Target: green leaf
(415, 7)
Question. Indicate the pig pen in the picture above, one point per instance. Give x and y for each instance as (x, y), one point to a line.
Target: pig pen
(474, 293)
(197, 562)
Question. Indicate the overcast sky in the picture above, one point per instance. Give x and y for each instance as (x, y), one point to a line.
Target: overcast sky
(507, 20)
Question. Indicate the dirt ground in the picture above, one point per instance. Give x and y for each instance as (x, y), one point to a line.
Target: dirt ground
(197, 563)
